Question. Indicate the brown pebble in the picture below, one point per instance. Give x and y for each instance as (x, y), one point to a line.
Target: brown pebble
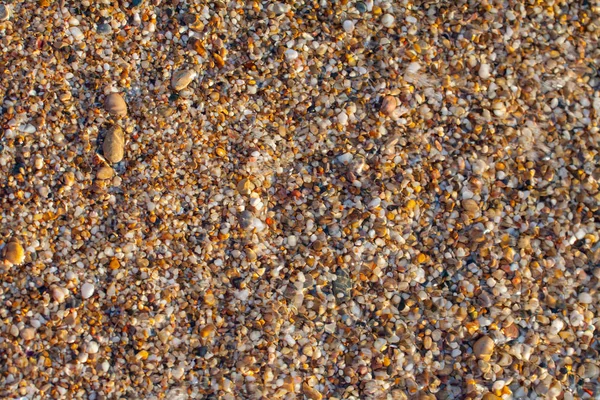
(28, 333)
(105, 172)
(245, 186)
(181, 79)
(14, 253)
(115, 105)
(483, 348)
(388, 105)
(114, 145)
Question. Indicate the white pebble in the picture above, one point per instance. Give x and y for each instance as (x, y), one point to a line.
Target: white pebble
(87, 290)
(342, 118)
(348, 26)
(76, 33)
(585, 298)
(92, 347)
(291, 54)
(484, 71)
(388, 20)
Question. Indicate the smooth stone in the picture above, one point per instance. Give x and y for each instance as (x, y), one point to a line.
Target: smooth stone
(114, 145)
(105, 173)
(181, 79)
(388, 105)
(484, 71)
(77, 33)
(245, 186)
(4, 12)
(483, 348)
(58, 294)
(348, 26)
(104, 29)
(585, 298)
(14, 253)
(361, 7)
(115, 105)
(28, 333)
(388, 20)
(92, 348)
(291, 55)
(87, 290)
(342, 286)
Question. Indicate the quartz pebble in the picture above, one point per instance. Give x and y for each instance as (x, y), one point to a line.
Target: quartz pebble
(388, 20)
(113, 146)
(115, 105)
(181, 79)
(87, 290)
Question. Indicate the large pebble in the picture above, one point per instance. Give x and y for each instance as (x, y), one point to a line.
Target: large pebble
(181, 79)
(115, 105)
(14, 253)
(483, 348)
(87, 290)
(114, 145)
(388, 20)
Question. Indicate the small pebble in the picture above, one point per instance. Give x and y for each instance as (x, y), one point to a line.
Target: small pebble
(484, 71)
(348, 26)
(388, 105)
(105, 172)
(4, 12)
(181, 79)
(483, 348)
(14, 252)
(27, 333)
(87, 290)
(388, 20)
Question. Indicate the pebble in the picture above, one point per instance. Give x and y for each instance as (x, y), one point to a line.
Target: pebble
(4, 12)
(28, 333)
(484, 348)
(291, 55)
(585, 298)
(14, 252)
(115, 105)
(113, 146)
(388, 20)
(105, 172)
(348, 26)
(77, 33)
(484, 71)
(87, 290)
(388, 105)
(92, 348)
(245, 186)
(181, 79)
(104, 29)
(58, 294)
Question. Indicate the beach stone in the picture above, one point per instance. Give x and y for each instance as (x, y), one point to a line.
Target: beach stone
(483, 348)
(105, 172)
(388, 105)
(115, 105)
(28, 333)
(14, 253)
(87, 290)
(181, 79)
(114, 145)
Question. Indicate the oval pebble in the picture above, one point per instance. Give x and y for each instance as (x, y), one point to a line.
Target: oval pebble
(115, 105)
(181, 79)
(87, 290)
(114, 145)
(14, 253)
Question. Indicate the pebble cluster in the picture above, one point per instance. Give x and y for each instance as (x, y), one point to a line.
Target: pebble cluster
(377, 199)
